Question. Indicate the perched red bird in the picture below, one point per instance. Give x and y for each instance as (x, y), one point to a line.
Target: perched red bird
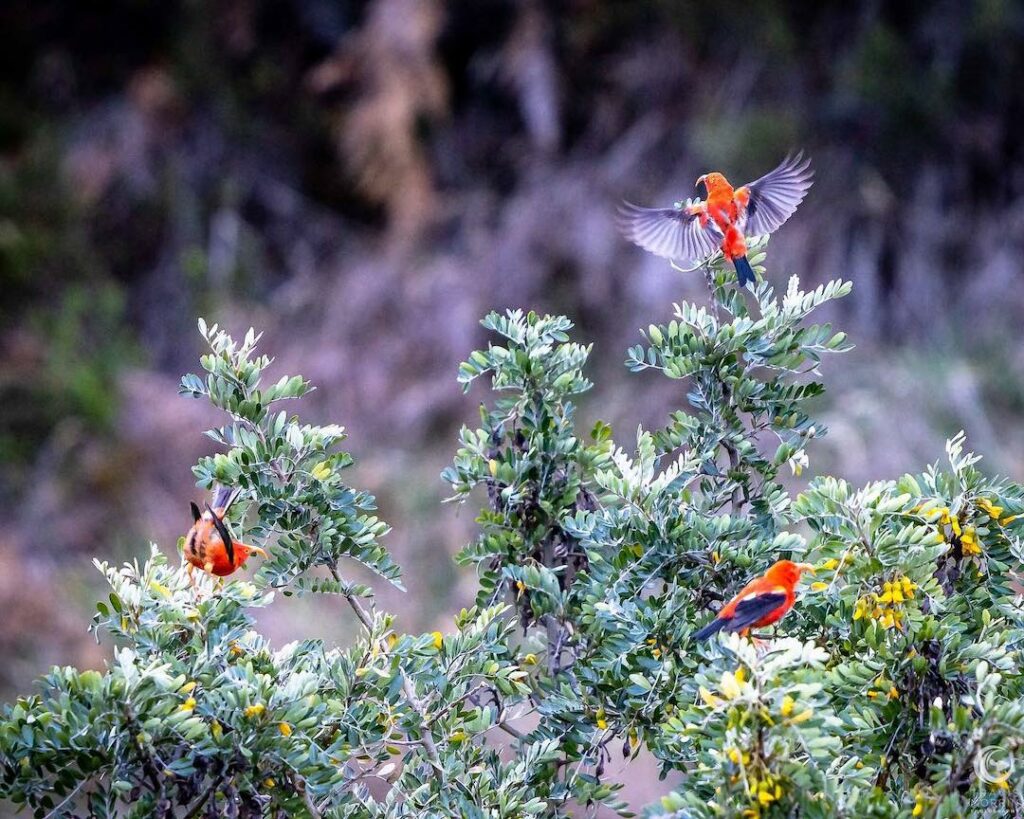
(691, 231)
(209, 545)
(761, 602)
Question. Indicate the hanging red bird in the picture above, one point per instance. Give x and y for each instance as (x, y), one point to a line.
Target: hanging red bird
(690, 232)
(209, 545)
(761, 602)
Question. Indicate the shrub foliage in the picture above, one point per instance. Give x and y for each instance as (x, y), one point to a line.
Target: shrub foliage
(893, 689)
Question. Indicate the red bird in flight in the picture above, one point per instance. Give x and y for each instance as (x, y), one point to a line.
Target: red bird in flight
(690, 232)
(761, 602)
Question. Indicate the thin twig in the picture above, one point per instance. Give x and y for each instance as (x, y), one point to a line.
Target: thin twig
(426, 739)
(513, 732)
(197, 805)
(300, 787)
(66, 799)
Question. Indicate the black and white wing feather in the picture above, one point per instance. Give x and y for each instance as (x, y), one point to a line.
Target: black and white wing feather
(673, 233)
(775, 196)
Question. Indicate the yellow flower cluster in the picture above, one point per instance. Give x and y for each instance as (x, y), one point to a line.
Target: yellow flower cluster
(920, 803)
(969, 542)
(887, 607)
(766, 791)
(995, 512)
(883, 688)
(950, 525)
(655, 648)
(737, 757)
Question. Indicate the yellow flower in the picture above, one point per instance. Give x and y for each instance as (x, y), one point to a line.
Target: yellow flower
(520, 588)
(787, 705)
(1008, 519)
(656, 653)
(886, 595)
(438, 639)
(734, 756)
(990, 509)
(269, 782)
(492, 467)
(392, 639)
(893, 692)
(768, 792)
(830, 565)
(969, 542)
(803, 716)
(818, 586)
(529, 659)
(861, 609)
(600, 721)
(322, 471)
(457, 737)
(873, 694)
(216, 729)
(188, 704)
(1002, 782)
(255, 710)
(285, 729)
(709, 698)
(188, 687)
(741, 675)
(730, 686)
(160, 589)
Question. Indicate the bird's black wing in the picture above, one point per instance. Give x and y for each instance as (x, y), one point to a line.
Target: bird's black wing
(673, 233)
(225, 535)
(775, 196)
(752, 609)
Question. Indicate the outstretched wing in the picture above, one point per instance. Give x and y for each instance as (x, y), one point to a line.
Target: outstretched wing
(753, 608)
(675, 233)
(775, 196)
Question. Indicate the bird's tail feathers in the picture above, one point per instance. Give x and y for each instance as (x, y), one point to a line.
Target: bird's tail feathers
(224, 496)
(711, 628)
(744, 272)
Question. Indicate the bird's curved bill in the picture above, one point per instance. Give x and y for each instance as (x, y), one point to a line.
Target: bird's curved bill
(700, 181)
(806, 567)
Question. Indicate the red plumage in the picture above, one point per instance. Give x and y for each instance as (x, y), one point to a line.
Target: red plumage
(763, 601)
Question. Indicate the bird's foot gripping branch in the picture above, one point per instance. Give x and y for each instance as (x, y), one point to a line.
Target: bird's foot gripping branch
(889, 685)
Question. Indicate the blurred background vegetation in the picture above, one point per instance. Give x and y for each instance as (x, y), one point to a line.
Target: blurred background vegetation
(364, 180)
